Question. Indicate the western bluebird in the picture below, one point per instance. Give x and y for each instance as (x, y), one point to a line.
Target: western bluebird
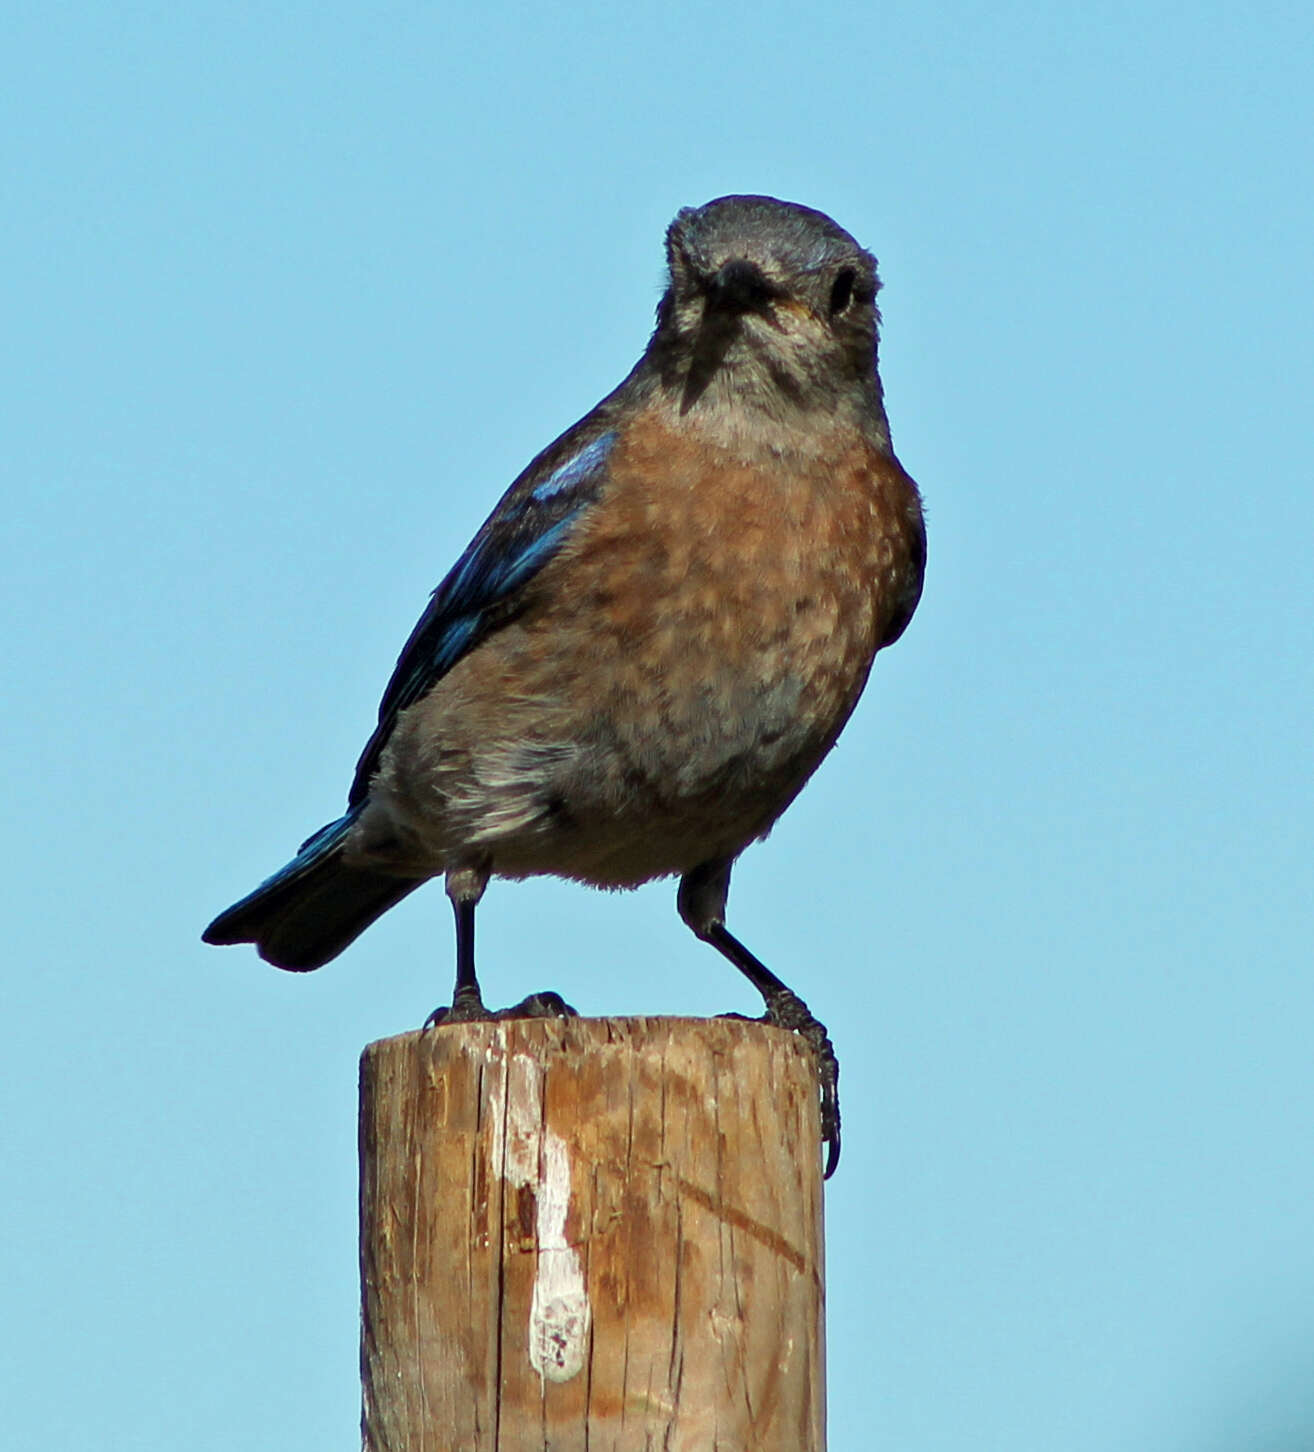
(657, 634)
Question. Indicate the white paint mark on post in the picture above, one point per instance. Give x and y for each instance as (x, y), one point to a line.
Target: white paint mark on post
(524, 1120)
(559, 1315)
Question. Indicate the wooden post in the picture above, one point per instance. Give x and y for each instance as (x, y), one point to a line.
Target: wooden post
(598, 1234)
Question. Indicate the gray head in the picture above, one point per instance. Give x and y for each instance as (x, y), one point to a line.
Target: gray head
(770, 306)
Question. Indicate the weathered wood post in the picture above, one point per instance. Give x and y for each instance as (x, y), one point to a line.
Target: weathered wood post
(592, 1233)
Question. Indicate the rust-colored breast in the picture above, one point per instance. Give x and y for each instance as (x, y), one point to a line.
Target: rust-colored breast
(701, 566)
(679, 668)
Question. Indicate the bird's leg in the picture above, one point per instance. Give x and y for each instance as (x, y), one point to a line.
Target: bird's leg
(466, 998)
(786, 1009)
(465, 886)
(701, 902)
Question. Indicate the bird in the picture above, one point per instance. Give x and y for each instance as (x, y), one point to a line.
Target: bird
(657, 634)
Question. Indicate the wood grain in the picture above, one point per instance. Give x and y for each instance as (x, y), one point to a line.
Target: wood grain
(600, 1234)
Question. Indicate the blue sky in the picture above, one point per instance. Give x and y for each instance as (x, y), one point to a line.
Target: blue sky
(291, 294)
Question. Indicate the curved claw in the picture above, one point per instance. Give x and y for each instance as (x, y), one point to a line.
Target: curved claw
(545, 1004)
(787, 1010)
(468, 1007)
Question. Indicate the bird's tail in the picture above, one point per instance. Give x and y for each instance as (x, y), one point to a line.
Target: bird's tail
(310, 910)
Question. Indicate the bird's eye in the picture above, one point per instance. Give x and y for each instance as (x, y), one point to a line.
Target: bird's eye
(841, 291)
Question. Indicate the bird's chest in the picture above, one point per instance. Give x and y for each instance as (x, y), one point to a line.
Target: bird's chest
(733, 606)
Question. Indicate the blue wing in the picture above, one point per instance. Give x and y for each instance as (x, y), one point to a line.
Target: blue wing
(481, 592)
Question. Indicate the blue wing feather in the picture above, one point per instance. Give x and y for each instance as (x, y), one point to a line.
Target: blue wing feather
(576, 471)
(527, 528)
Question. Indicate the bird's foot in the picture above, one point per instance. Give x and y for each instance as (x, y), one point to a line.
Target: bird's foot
(539, 1005)
(468, 1007)
(786, 1009)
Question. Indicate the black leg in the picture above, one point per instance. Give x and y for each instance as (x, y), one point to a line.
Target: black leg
(701, 901)
(465, 886)
(465, 959)
(466, 995)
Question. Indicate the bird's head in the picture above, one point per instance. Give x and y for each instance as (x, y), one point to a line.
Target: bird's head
(769, 305)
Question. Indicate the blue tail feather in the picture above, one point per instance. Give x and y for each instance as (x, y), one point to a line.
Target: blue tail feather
(310, 910)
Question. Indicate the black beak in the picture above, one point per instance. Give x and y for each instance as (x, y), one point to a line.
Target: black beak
(740, 286)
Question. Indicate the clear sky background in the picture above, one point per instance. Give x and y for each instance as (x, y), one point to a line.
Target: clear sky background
(290, 294)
